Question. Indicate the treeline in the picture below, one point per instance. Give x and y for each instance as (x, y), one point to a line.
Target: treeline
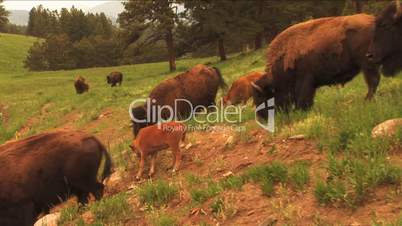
(73, 39)
(204, 27)
(157, 30)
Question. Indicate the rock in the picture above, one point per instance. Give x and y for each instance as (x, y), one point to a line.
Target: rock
(114, 179)
(228, 174)
(297, 137)
(387, 128)
(188, 146)
(48, 220)
(230, 140)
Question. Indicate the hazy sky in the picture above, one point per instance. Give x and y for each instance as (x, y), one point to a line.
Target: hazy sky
(51, 4)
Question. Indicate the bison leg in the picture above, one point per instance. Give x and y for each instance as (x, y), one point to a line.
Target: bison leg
(82, 197)
(141, 166)
(282, 101)
(305, 93)
(153, 160)
(176, 156)
(372, 78)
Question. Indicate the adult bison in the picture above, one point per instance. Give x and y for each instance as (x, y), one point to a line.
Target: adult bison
(80, 85)
(114, 78)
(197, 86)
(315, 53)
(386, 47)
(41, 171)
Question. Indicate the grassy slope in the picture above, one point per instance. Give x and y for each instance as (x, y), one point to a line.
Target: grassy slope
(340, 120)
(26, 93)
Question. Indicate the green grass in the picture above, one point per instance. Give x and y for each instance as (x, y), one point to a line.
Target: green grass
(351, 180)
(299, 175)
(114, 209)
(157, 193)
(163, 219)
(13, 52)
(68, 215)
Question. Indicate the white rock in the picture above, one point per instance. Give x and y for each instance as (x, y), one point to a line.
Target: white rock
(48, 220)
(114, 179)
(230, 140)
(188, 146)
(228, 174)
(387, 128)
(297, 137)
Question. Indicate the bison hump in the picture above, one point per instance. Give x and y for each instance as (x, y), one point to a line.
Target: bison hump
(324, 35)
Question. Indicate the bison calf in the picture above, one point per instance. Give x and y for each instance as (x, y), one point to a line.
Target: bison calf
(41, 171)
(80, 85)
(114, 78)
(152, 139)
(241, 90)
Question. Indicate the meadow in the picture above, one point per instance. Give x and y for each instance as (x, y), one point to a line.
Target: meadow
(352, 171)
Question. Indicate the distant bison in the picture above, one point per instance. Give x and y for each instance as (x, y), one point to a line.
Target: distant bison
(41, 171)
(386, 47)
(241, 89)
(198, 87)
(114, 78)
(315, 53)
(80, 85)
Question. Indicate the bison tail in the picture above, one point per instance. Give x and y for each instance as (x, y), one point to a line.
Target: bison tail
(107, 168)
(222, 83)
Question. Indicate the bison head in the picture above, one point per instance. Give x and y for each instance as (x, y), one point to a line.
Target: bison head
(386, 46)
(262, 91)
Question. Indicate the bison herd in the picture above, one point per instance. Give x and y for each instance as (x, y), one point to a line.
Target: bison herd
(43, 170)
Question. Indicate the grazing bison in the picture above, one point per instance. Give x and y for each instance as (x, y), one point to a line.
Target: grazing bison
(114, 78)
(315, 53)
(241, 89)
(154, 138)
(198, 87)
(80, 85)
(41, 171)
(386, 47)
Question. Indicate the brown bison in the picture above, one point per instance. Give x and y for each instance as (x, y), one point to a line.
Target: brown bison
(152, 139)
(41, 171)
(80, 85)
(386, 47)
(316, 53)
(241, 89)
(114, 78)
(197, 87)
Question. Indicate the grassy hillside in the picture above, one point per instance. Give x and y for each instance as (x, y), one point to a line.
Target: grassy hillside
(336, 169)
(13, 51)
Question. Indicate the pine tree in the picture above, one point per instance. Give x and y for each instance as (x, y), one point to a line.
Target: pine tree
(3, 16)
(157, 15)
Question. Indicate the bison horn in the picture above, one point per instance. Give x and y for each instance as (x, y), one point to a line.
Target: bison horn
(256, 87)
